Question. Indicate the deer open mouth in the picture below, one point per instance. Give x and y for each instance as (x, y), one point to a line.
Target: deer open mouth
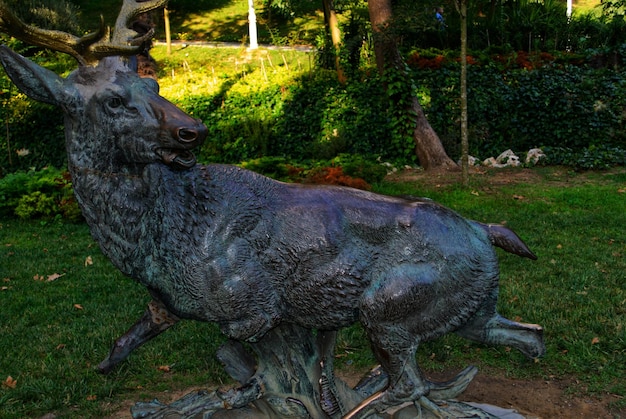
(177, 159)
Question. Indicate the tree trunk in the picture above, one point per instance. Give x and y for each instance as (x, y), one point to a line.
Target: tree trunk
(428, 147)
(332, 27)
(145, 65)
(168, 33)
(462, 4)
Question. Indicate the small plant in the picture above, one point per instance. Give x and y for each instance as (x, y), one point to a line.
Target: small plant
(42, 193)
(35, 204)
(359, 166)
(274, 167)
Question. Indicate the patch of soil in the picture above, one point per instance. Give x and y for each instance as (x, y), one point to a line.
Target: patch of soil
(485, 177)
(537, 398)
(477, 175)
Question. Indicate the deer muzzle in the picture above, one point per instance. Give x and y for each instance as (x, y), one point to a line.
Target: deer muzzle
(185, 134)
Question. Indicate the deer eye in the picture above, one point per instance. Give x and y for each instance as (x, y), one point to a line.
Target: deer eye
(114, 102)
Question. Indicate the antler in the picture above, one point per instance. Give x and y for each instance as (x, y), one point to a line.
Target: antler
(92, 47)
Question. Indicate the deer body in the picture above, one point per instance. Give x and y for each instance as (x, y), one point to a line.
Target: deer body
(217, 243)
(221, 244)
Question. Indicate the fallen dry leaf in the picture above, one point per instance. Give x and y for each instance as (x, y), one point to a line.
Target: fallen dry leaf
(164, 368)
(88, 261)
(519, 197)
(54, 277)
(78, 307)
(595, 340)
(10, 382)
(60, 346)
(92, 397)
(621, 190)
(38, 277)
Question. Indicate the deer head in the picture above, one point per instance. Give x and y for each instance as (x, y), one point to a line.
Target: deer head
(114, 120)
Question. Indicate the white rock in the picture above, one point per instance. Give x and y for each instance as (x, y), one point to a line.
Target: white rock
(534, 155)
(491, 162)
(508, 158)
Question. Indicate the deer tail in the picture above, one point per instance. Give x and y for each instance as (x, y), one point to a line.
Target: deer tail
(506, 239)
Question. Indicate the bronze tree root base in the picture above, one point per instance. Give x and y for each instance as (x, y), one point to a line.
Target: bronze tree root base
(294, 378)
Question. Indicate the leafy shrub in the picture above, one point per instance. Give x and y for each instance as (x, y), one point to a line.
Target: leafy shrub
(45, 192)
(307, 117)
(362, 167)
(555, 105)
(334, 176)
(350, 170)
(593, 157)
(34, 204)
(274, 167)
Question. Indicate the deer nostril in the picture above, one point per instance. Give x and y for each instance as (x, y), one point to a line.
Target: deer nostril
(187, 135)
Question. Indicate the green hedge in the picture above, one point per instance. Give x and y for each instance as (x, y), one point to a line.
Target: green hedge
(558, 106)
(313, 116)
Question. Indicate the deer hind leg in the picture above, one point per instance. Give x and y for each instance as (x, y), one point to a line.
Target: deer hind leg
(498, 330)
(405, 381)
(390, 313)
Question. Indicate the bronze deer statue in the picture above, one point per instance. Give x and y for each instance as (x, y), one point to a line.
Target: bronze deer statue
(220, 244)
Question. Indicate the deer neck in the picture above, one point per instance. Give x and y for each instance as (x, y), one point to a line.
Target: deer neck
(115, 206)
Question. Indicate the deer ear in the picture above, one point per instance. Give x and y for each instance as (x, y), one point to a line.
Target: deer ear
(35, 81)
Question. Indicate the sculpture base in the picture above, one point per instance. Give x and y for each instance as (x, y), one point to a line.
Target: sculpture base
(291, 374)
(194, 406)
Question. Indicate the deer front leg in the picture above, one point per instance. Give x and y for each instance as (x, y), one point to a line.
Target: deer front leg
(154, 321)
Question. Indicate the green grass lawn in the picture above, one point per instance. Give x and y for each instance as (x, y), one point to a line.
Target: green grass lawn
(54, 332)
